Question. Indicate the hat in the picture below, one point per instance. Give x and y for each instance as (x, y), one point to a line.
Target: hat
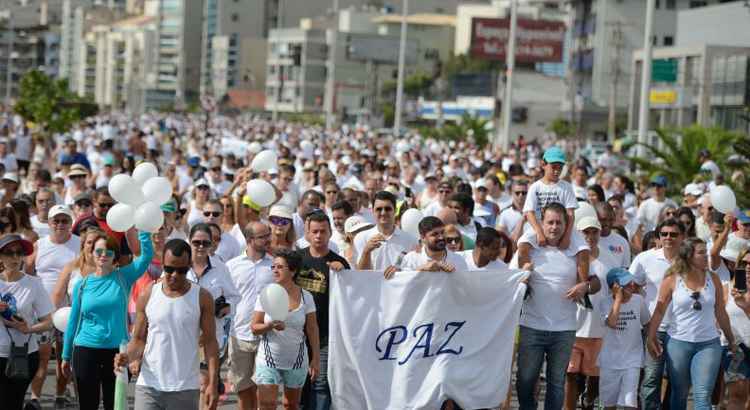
(169, 206)
(59, 209)
(193, 162)
(76, 170)
(481, 183)
(733, 248)
(693, 189)
(659, 180)
(743, 216)
(588, 222)
(6, 240)
(554, 155)
(10, 176)
(108, 161)
(620, 276)
(445, 182)
(308, 166)
(430, 176)
(249, 202)
(214, 163)
(280, 211)
(201, 182)
(355, 223)
(83, 196)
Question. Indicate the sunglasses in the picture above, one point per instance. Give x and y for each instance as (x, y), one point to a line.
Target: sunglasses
(444, 191)
(521, 193)
(60, 221)
(696, 304)
(104, 252)
(203, 188)
(216, 169)
(105, 205)
(84, 204)
(214, 214)
(181, 270)
(199, 244)
(455, 240)
(77, 176)
(18, 253)
(278, 221)
(669, 234)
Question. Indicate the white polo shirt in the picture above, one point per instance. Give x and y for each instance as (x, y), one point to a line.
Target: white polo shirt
(472, 266)
(650, 267)
(250, 278)
(389, 251)
(414, 260)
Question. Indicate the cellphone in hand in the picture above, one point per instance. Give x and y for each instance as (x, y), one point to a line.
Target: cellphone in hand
(740, 280)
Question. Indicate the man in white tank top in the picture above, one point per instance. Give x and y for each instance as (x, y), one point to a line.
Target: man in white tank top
(51, 254)
(171, 317)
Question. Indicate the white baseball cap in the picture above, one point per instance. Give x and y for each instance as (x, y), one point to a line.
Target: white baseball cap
(588, 222)
(60, 209)
(280, 211)
(355, 223)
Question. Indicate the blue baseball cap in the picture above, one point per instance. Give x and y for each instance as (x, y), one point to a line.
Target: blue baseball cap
(620, 276)
(193, 162)
(659, 180)
(554, 155)
(744, 216)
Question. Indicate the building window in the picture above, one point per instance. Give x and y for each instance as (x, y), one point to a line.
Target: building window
(235, 17)
(668, 40)
(698, 3)
(657, 5)
(671, 4)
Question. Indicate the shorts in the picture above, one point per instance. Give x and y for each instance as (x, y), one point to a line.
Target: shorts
(619, 387)
(291, 378)
(741, 372)
(242, 363)
(583, 358)
(49, 336)
(148, 398)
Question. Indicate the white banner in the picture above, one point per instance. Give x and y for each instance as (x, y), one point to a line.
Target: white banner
(416, 340)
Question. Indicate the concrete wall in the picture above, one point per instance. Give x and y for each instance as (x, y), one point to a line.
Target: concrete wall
(723, 24)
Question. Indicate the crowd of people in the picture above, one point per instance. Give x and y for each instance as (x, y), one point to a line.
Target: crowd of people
(631, 304)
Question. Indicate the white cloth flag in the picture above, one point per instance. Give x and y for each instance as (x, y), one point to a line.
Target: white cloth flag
(421, 338)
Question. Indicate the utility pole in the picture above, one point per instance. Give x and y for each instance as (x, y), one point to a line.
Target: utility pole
(643, 116)
(616, 45)
(279, 80)
(8, 69)
(331, 80)
(401, 62)
(510, 59)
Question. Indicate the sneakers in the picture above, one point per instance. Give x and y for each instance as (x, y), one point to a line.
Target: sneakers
(60, 403)
(33, 404)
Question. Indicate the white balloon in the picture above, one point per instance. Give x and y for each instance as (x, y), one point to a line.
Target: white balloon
(307, 147)
(60, 319)
(144, 171)
(261, 192)
(723, 199)
(157, 190)
(149, 217)
(410, 221)
(255, 147)
(435, 148)
(275, 301)
(403, 146)
(120, 217)
(585, 209)
(124, 189)
(264, 161)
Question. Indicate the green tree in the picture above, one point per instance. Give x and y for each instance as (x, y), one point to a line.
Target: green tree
(676, 153)
(50, 104)
(464, 64)
(562, 128)
(469, 126)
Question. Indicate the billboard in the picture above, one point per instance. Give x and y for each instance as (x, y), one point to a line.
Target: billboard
(536, 40)
(380, 49)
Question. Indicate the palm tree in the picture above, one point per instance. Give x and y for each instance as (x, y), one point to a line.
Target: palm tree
(675, 155)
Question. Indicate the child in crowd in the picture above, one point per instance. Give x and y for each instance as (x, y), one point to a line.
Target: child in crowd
(625, 314)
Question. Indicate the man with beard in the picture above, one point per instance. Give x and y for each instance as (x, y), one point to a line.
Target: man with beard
(434, 257)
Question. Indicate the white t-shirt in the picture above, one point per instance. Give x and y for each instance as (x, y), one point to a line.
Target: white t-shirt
(615, 248)
(286, 349)
(250, 278)
(432, 209)
(555, 272)
(218, 282)
(31, 302)
(590, 319)
(622, 347)
(389, 251)
(23, 146)
(413, 260)
(541, 195)
(228, 247)
(42, 229)
(471, 266)
(650, 267)
(648, 212)
(509, 219)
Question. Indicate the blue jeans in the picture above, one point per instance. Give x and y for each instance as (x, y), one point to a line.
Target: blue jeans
(316, 395)
(653, 371)
(533, 348)
(693, 363)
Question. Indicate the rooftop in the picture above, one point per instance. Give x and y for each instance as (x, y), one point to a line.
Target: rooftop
(424, 19)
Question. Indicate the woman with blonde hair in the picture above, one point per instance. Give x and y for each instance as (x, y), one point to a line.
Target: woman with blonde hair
(78, 268)
(694, 297)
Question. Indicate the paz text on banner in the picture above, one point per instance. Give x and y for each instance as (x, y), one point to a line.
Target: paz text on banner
(419, 339)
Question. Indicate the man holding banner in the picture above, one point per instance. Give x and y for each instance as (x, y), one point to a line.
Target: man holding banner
(434, 256)
(548, 322)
